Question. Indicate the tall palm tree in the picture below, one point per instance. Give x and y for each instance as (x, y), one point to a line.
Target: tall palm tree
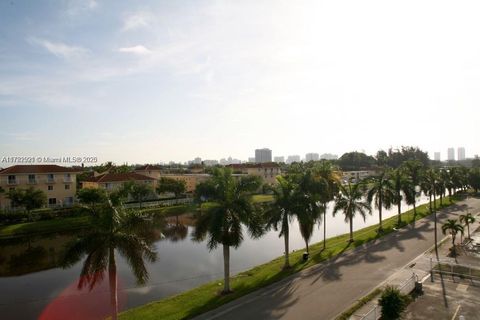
(403, 189)
(113, 231)
(467, 219)
(351, 201)
(330, 178)
(429, 187)
(229, 209)
(453, 227)
(380, 192)
(282, 210)
(414, 169)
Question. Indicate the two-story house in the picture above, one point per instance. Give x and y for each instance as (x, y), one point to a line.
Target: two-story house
(58, 183)
(268, 171)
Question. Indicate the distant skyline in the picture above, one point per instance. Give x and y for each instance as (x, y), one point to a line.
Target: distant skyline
(161, 81)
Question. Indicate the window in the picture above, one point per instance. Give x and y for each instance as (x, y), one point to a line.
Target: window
(68, 201)
(12, 180)
(50, 177)
(67, 177)
(67, 187)
(50, 188)
(31, 178)
(52, 201)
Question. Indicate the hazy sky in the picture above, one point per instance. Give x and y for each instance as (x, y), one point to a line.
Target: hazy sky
(150, 81)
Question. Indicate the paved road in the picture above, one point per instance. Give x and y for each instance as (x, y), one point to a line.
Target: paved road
(325, 290)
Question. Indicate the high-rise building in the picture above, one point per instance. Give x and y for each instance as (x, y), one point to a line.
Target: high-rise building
(461, 154)
(451, 154)
(279, 159)
(436, 156)
(329, 156)
(263, 155)
(293, 158)
(312, 157)
(251, 159)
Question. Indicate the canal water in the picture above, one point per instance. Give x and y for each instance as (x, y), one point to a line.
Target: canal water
(34, 286)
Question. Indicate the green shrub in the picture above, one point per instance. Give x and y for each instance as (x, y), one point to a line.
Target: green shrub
(393, 303)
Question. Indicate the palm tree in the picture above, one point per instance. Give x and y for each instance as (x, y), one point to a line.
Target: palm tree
(350, 201)
(467, 219)
(413, 169)
(402, 188)
(453, 227)
(222, 218)
(429, 187)
(380, 192)
(330, 178)
(282, 210)
(113, 231)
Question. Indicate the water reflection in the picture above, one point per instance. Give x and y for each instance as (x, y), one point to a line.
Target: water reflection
(114, 231)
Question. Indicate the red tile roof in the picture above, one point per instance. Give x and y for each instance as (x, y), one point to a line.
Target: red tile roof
(39, 168)
(119, 177)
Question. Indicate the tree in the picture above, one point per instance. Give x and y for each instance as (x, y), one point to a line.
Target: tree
(91, 197)
(402, 188)
(176, 187)
(230, 208)
(429, 187)
(329, 178)
(139, 191)
(474, 179)
(355, 161)
(29, 199)
(414, 169)
(467, 219)
(282, 210)
(452, 227)
(380, 192)
(393, 303)
(350, 202)
(114, 230)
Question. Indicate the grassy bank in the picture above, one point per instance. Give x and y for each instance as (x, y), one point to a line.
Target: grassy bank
(73, 223)
(206, 297)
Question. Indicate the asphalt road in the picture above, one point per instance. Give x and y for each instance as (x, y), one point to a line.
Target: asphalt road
(326, 290)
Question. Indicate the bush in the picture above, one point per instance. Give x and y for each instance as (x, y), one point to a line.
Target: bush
(393, 303)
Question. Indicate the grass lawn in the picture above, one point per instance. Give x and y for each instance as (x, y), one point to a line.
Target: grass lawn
(44, 226)
(206, 297)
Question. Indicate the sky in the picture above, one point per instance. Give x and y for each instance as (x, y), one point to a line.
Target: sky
(159, 81)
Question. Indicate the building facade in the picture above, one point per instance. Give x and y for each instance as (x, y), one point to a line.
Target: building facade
(267, 171)
(312, 157)
(280, 159)
(113, 181)
(451, 154)
(436, 156)
(263, 155)
(461, 154)
(58, 183)
(293, 158)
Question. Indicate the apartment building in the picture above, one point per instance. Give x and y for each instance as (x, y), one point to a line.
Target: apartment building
(191, 179)
(268, 171)
(356, 176)
(152, 171)
(58, 183)
(113, 181)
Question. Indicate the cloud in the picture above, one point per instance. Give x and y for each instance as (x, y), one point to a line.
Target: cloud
(137, 20)
(140, 50)
(60, 49)
(78, 7)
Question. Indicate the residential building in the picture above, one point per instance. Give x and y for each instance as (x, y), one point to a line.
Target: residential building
(152, 171)
(293, 158)
(312, 157)
(461, 154)
(451, 154)
(210, 163)
(57, 182)
(113, 181)
(279, 159)
(251, 159)
(356, 176)
(436, 156)
(268, 171)
(191, 180)
(263, 155)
